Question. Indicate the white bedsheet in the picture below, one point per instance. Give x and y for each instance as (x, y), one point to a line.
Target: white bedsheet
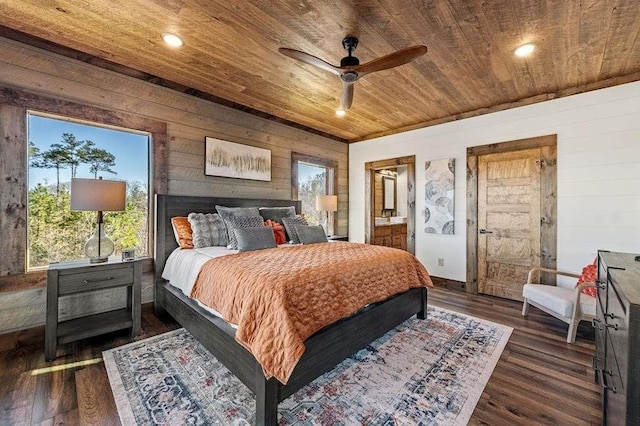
(183, 267)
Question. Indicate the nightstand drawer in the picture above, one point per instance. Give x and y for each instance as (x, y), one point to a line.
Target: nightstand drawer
(95, 280)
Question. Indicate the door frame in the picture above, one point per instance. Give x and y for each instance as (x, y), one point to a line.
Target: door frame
(369, 179)
(548, 198)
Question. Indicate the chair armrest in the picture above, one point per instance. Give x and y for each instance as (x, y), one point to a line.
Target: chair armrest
(577, 293)
(550, 271)
(580, 286)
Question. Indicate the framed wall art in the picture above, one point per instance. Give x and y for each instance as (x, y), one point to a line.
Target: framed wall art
(234, 160)
(439, 193)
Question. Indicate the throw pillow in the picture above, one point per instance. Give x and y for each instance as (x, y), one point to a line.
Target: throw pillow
(278, 231)
(258, 238)
(276, 214)
(208, 230)
(236, 222)
(311, 234)
(229, 212)
(589, 275)
(290, 223)
(182, 231)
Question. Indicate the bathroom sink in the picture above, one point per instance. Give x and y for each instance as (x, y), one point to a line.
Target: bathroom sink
(398, 219)
(381, 221)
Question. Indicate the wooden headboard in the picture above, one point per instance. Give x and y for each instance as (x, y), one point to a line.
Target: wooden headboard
(168, 206)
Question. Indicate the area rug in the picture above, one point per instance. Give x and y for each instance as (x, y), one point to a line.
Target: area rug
(421, 372)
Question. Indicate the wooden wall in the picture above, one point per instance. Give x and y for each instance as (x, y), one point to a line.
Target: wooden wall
(188, 121)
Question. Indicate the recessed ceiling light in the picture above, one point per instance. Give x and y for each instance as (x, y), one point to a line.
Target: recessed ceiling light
(172, 40)
(340, 112)
(524, 50)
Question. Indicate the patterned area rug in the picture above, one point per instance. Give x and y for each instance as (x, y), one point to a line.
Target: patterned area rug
(421, 372)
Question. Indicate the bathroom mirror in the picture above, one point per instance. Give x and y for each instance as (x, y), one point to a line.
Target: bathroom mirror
(389, 193)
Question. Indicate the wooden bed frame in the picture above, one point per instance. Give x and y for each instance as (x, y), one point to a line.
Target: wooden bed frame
(324, 350)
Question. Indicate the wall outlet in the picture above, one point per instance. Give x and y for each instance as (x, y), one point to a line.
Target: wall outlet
(441, 261)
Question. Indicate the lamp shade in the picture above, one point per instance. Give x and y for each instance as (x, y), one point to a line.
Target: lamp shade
(327, 203)
(98, 195)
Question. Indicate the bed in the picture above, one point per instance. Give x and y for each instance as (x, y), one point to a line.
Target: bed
(324, 349)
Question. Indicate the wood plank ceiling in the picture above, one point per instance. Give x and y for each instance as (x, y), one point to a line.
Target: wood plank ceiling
(230, 52)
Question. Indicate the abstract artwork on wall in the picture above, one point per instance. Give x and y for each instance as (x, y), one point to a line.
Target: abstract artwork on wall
(439, 190)
(228, 159)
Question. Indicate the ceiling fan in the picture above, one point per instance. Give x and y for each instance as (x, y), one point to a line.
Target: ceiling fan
(350, 69)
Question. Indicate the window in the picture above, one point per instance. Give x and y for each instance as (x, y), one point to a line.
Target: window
(313, 176)
(60, 149)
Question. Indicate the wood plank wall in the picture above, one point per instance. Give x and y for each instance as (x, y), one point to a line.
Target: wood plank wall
(188, 121)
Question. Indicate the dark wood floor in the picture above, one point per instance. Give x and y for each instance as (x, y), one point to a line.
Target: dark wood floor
(540, 379)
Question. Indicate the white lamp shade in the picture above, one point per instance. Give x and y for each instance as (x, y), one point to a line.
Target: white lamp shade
(98, 195)
(327, 203)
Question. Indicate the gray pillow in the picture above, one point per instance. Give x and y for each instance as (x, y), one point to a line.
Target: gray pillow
(241, 222)
(311, 234)
(229, 212)
(277, 213)
(255, 238)
(208, 230)
(289, 225)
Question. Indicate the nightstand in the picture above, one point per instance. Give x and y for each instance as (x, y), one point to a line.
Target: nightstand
(71, 278)
(338, 238)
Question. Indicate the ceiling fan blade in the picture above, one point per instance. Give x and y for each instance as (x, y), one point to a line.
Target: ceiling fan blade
(346, 99)
(392, 60)
(309, 59)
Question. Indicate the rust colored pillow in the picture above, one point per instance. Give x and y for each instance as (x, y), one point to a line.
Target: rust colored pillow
(182, 231)
(589, 275)
(278, 231)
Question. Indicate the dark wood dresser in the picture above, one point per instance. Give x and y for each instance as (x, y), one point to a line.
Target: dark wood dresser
(617, 357)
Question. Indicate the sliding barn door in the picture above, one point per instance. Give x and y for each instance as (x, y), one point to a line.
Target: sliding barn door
(508, 221)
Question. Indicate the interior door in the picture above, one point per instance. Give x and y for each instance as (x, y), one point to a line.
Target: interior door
(508, 221)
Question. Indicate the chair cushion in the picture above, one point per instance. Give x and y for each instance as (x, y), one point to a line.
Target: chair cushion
(558, 299)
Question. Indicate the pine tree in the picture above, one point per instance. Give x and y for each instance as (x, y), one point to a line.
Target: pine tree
(98, 159)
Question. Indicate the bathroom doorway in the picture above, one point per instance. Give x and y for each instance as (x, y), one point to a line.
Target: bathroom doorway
(390, 203)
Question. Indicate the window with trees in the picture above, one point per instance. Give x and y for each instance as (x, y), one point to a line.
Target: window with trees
(313, 176)
(61, 149)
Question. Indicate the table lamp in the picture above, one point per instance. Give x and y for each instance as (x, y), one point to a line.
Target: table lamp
(327, 203)
(98, 195)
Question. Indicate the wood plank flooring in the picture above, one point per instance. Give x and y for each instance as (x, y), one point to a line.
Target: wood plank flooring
(540, 379)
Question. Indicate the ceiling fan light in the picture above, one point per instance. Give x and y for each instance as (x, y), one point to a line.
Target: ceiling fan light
(524, 50)
(340, 112)
(172, 40)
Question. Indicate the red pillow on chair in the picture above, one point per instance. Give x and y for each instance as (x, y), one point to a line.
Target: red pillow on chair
(589, 275)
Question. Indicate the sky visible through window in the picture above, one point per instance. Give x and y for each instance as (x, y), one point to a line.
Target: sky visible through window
(306, 171)
(130, 149)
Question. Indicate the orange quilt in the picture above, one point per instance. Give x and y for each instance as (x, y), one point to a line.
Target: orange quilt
(279, 297)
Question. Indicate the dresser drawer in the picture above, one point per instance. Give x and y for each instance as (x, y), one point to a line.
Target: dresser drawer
(618, 331)
(614, 387)
(69, 283)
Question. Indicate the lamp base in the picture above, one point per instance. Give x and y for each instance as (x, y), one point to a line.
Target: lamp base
(99, 247)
